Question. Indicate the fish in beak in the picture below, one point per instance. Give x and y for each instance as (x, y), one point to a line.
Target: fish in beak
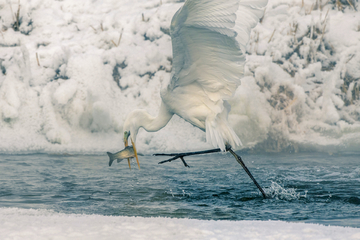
(126, 136)
(127, 152)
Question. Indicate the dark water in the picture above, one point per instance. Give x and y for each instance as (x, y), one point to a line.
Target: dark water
(316, 188)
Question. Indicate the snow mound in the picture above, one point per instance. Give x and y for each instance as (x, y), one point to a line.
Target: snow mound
(72, 71)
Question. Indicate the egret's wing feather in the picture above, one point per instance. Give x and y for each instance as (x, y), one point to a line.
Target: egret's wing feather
(216, 67)
(207, 38)
(248, 15)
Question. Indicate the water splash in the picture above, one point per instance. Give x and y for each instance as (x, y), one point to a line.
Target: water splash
(178, 194)
(276, 191)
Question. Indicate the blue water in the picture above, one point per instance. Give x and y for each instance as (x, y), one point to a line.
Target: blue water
(313, 187)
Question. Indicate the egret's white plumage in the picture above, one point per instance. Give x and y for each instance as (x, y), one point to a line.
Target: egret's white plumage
(208, 43)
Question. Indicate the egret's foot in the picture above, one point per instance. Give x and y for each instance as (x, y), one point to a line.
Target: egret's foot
(183, 160)
(182, 155)
(174, 158)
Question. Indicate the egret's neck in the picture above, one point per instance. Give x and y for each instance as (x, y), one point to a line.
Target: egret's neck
(141, 118)
(153, 124)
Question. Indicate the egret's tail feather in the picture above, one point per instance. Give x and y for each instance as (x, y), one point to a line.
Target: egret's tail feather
(219, 132)
(213, 135)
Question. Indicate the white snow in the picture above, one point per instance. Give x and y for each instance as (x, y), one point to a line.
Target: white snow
(43, 224)
(75, 69)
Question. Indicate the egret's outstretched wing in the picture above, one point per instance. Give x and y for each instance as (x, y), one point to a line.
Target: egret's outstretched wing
(208, 40)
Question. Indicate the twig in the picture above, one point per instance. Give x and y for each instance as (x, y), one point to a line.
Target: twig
(18, 16)
(272, 35)
(143, 18)
(296, 28)
(326, 16)
(290, 104)
(312, 7)
(263, 16)
(37, 59)
(12, 12)
(322, 6)
(119, 39)
(350, 58)
(339, 5)
(323, 32)
(351, 5)
(93, 28)
(114, 43)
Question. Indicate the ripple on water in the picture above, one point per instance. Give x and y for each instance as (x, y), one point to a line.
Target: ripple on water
(300, 188)
(354, 200)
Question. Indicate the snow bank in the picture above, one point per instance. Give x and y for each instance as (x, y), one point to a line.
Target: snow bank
(301, 59)
(72, 70)
(43, 224)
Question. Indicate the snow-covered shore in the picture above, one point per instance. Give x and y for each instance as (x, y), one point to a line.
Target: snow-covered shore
(42, 224)
(72, 70)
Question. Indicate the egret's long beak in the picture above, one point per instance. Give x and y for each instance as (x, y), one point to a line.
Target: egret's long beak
(135, 152)
(126, 143)
(126, 136)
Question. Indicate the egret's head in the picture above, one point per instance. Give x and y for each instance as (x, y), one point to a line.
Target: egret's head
(126, 137)
(132, 124)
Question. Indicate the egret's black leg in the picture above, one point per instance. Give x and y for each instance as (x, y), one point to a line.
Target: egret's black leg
(240, 161)
(228, 149)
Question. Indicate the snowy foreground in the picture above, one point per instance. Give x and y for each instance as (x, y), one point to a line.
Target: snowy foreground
(70, 71)
(42, 224)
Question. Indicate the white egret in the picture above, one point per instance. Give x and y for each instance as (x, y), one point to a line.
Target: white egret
(208, 42)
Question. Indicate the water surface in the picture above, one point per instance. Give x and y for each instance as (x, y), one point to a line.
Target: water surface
(315, 188)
